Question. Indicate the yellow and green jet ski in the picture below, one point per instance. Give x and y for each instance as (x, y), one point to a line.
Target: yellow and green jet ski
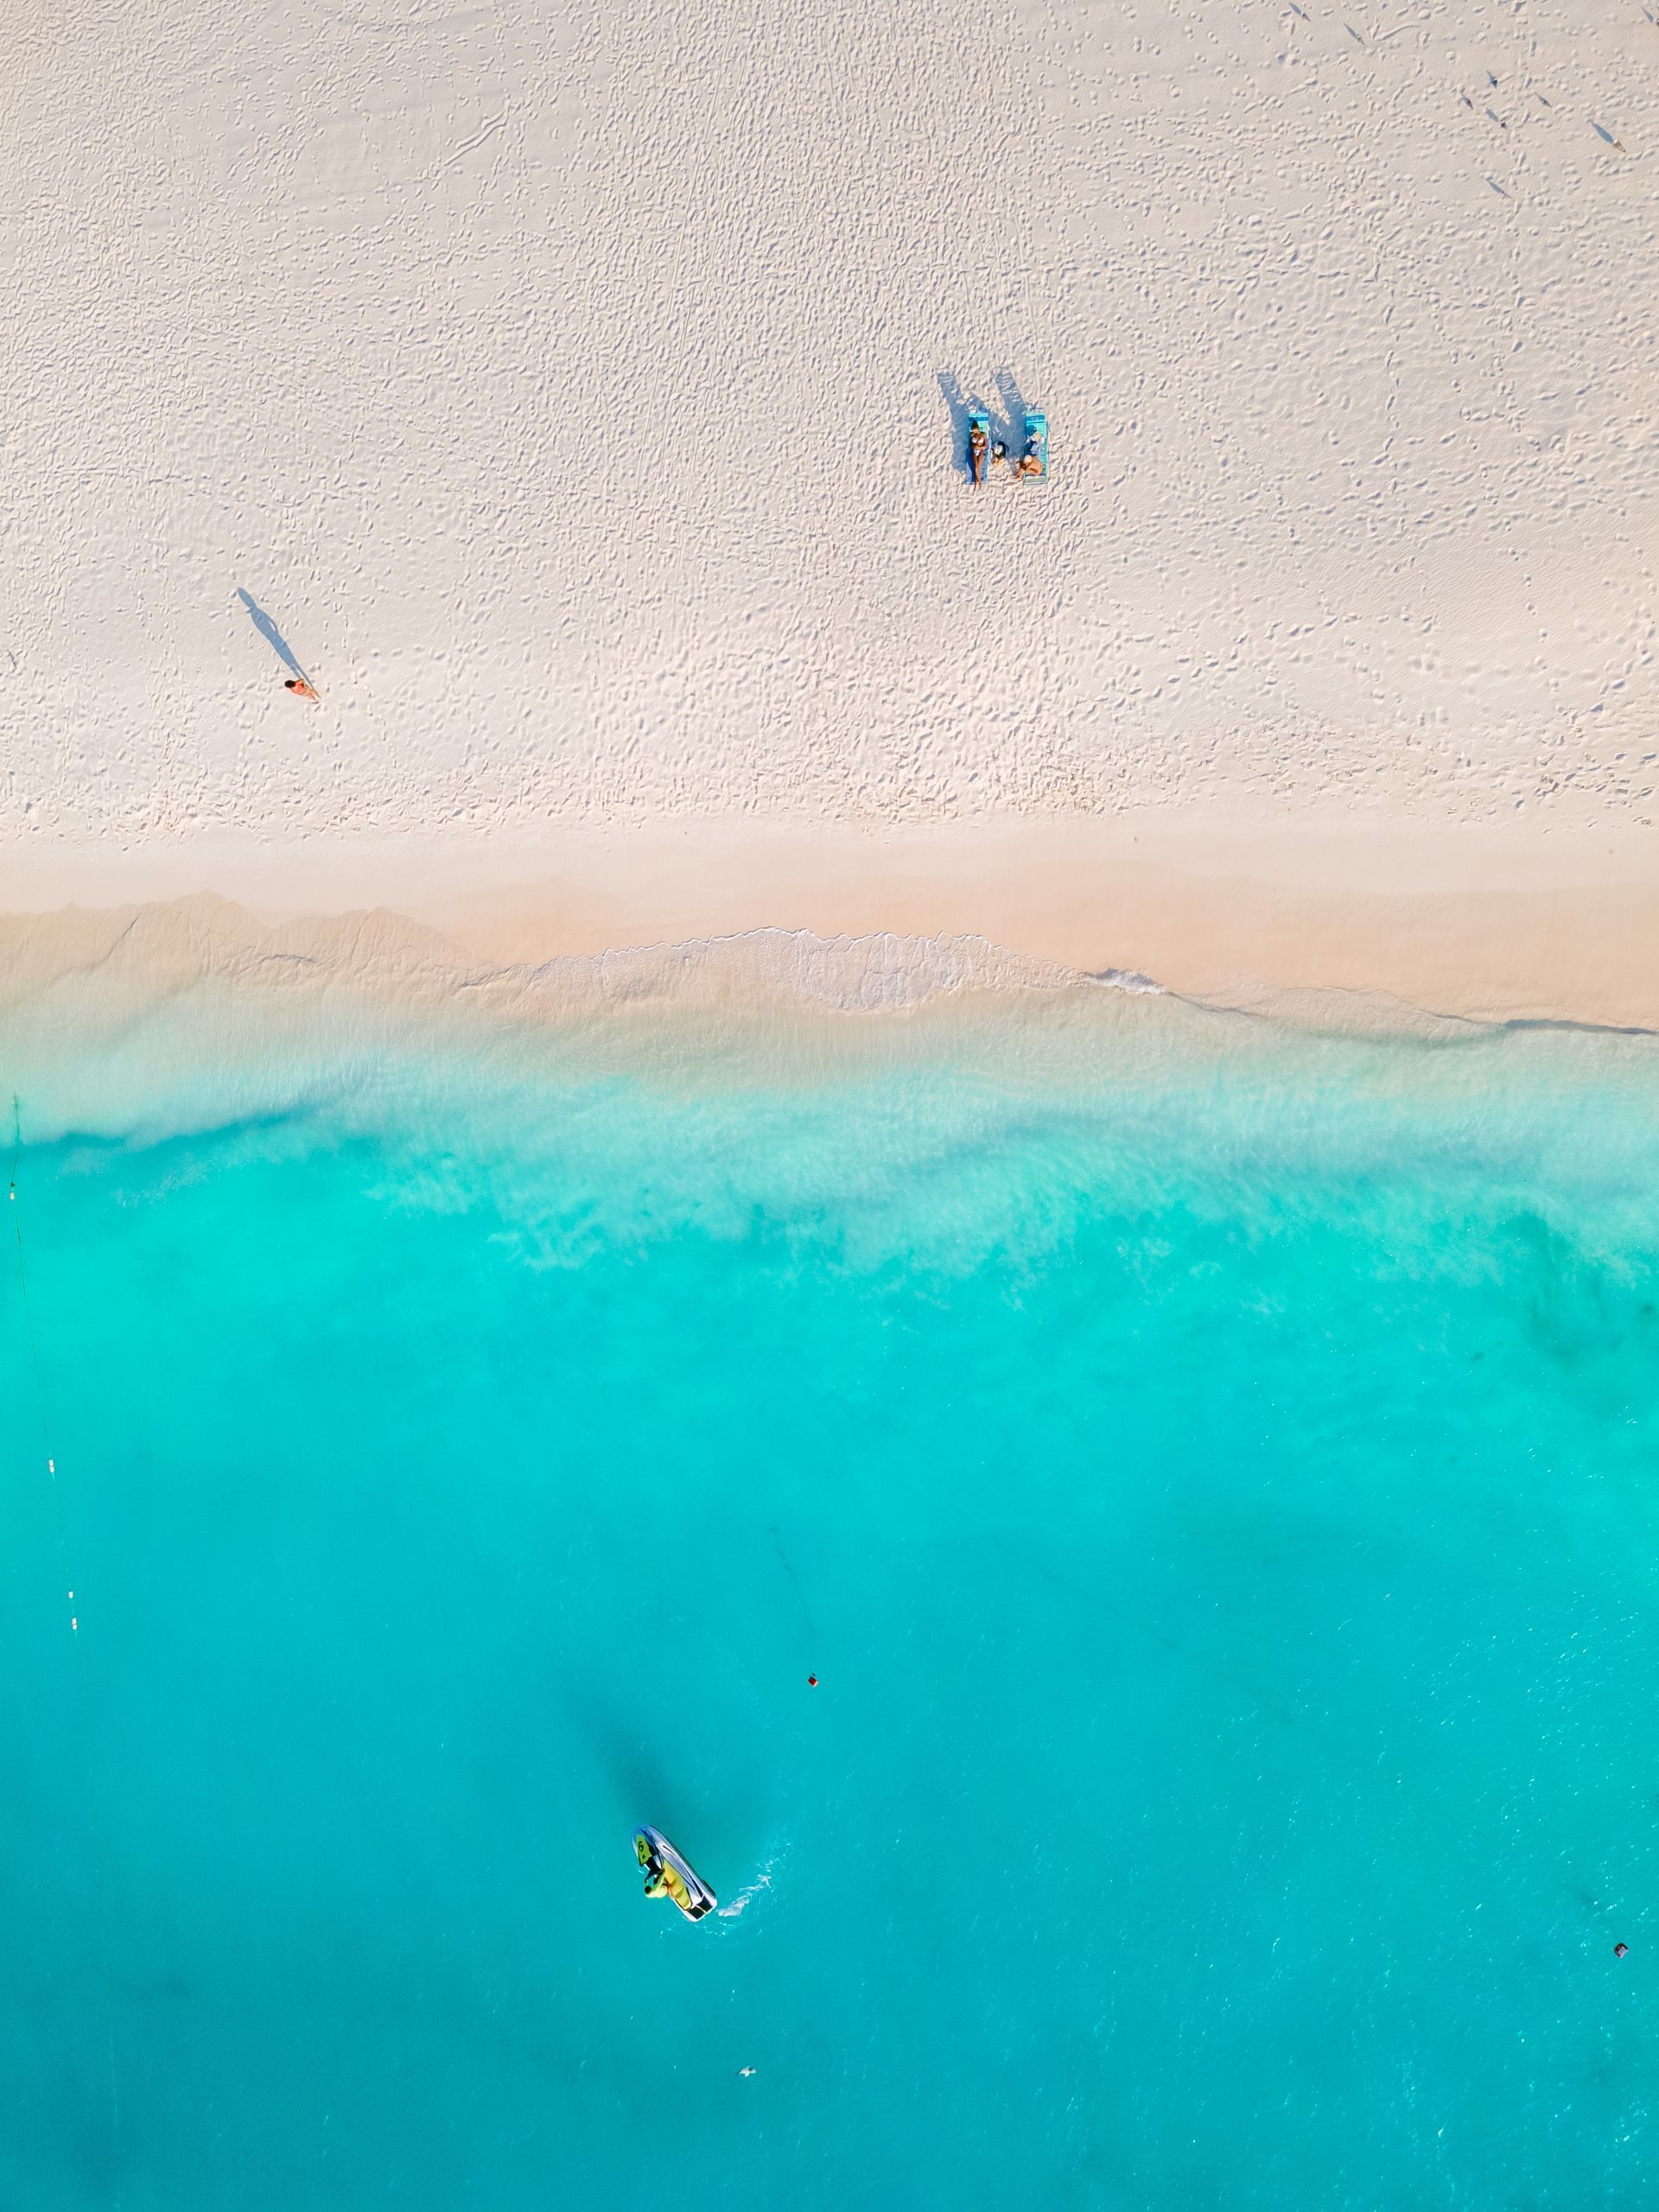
(669, 1875)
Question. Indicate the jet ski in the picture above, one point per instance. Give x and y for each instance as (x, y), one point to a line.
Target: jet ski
(669, 1875)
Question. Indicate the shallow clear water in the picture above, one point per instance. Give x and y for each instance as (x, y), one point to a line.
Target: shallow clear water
(1218, 1500)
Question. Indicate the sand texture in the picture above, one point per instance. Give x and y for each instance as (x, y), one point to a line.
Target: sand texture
(577, 394)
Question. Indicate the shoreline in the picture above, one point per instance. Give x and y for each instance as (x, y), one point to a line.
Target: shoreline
(1277, 911)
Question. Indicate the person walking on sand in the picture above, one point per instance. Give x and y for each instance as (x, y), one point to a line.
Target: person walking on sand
(301, 690)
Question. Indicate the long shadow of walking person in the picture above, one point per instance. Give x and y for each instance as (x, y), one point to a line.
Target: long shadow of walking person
(272, 636)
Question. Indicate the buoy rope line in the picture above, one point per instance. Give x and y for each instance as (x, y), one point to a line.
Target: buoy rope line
(50, 1455)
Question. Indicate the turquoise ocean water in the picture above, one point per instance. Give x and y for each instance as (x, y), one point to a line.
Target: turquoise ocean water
(1215, 1486)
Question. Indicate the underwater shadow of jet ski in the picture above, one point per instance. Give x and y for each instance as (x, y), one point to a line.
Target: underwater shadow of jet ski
(669, 1875)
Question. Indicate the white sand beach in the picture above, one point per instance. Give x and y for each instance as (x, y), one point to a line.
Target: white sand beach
(577, 397)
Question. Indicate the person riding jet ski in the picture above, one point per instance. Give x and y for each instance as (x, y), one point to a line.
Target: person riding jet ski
(669, 1875)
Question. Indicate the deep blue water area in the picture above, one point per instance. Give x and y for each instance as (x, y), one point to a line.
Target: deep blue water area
(1218, 1504)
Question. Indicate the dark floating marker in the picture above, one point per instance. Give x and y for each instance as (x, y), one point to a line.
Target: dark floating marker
(1621, 1950)
(811, 1681)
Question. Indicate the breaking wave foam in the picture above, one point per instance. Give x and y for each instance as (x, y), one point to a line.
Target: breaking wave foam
(151, 1020)
(172, 947)
(881, 974)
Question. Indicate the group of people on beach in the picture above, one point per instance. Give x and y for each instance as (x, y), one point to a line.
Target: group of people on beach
(982, 444)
